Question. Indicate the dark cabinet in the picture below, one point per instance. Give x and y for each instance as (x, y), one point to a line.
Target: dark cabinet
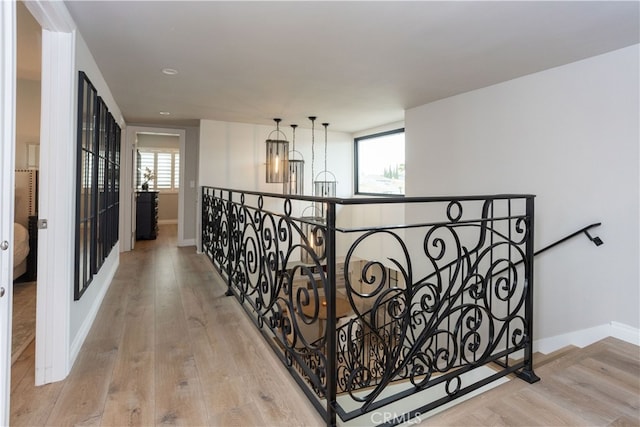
(146, 215)
(32, 258)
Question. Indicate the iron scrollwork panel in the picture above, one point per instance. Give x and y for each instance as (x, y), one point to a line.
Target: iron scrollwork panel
(453, 297)
(433, 328)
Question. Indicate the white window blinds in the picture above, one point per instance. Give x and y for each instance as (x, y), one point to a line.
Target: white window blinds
(165, 166)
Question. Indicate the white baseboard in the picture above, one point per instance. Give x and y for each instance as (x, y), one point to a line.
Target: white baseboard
(187, 242)
(585, 337)
(625, 333)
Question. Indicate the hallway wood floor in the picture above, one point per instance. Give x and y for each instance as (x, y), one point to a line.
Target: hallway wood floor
(168, 348)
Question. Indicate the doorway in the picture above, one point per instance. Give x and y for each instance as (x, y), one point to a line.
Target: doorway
(27, 144)
(149, 148)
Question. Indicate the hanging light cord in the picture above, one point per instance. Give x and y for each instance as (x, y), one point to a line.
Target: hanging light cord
(294, 138)
(313, 154)
(325, 149)
(277, 135)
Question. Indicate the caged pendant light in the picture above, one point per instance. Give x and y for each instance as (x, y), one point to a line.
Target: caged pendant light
(294, 185)
(313, 230)
(277, 156)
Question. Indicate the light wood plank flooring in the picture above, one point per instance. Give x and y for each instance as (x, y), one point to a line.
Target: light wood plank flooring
(168, 348)
(24, 317)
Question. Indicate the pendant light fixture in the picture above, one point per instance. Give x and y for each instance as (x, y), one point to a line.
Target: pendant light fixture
(277, 156)
(294, 185)
(312, 225)
(325, 183)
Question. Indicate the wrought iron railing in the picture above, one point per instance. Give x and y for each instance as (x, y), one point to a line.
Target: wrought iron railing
(369, 316)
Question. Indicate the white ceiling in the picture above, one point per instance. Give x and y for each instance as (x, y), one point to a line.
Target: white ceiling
(354, 64)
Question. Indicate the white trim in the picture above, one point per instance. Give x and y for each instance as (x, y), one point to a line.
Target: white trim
(159, 150)
(181, 186)
(108, 270)
(588, 336)
(51, 15)
(56, 243)
(127, 195)
(187, 242)
(7, 165)
(167, 221)
(625, 333)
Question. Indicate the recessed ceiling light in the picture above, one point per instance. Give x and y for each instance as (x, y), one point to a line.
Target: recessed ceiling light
(164, 113)
(169, 71)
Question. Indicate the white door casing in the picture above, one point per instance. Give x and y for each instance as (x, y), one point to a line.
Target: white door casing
(57, 136)
(7, 164)
(55, 248)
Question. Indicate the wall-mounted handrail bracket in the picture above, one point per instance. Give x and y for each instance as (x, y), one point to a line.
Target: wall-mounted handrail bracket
(596, 240)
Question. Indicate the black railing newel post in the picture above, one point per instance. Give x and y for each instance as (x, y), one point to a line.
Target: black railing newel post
(527, 373)
(202, 219)
(332, 372)
(230, 255)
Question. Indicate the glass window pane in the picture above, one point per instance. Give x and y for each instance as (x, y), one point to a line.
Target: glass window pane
(380, 163)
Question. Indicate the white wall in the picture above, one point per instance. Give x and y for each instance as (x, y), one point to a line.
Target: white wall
(190, 187)
(84, 310)
(155, 140)
(570, 136)
(27, 118)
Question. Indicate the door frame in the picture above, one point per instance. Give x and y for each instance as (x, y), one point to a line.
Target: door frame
(7, 165)
(127, 233)
(55, 248)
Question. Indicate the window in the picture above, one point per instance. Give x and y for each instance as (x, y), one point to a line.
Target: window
(379, 168)
(165, 165)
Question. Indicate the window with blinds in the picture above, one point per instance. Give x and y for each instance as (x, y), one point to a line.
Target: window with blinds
(165, 166)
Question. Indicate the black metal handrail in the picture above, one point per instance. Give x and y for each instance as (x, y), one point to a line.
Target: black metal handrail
(374, 200)
(596, 240)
